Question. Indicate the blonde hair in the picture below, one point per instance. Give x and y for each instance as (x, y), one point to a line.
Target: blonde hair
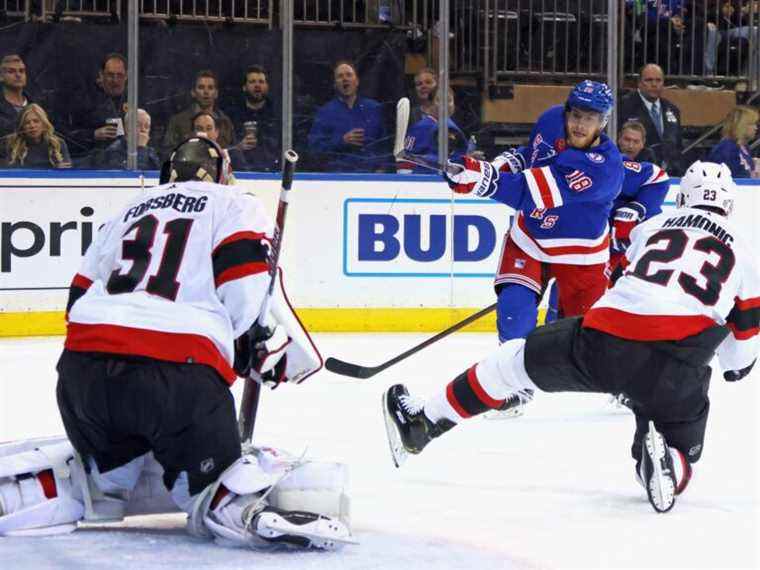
(17, 141)
(737, 120)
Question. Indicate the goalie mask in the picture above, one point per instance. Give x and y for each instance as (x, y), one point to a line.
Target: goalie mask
(197, 158)
(707, 185)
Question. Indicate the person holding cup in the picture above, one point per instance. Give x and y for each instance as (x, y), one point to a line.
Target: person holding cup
(348, 132)
(257, 123)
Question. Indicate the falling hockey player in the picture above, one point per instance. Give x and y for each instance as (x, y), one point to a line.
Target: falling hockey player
(143, 389)
(691, 290)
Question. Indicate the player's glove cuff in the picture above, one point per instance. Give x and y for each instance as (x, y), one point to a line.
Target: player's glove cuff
(736, 375)
(631, 212)
(509, 161)
(476, 177)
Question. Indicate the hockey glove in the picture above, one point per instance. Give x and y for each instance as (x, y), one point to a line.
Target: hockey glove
(477, 177)
(624, 219)
(260, 354)
(736, 375)
(509, 161)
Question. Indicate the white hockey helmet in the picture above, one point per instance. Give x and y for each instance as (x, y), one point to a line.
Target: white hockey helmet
(707, 184)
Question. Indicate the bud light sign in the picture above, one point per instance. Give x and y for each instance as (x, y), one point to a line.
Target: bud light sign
(422, 237)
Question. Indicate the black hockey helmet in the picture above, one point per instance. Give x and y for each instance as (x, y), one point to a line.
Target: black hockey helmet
(197, 158)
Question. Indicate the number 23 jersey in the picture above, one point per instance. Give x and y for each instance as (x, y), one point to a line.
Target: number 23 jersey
(177, 275)
(687, 270)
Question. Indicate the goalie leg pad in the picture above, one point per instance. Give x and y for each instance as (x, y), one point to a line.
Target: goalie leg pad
(38, 495)
(262, 504)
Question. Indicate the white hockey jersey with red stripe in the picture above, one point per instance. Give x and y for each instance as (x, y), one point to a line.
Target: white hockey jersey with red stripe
(177, 275)
(686, 270)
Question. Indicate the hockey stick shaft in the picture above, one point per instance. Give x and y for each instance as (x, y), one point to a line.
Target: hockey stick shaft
(438, 167)
(357, 371)
(249, 404)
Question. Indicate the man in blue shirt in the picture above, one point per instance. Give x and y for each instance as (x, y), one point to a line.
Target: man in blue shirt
(348, 131)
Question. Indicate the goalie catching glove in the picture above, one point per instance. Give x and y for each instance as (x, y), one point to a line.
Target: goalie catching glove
(476, 177)
(277, 348)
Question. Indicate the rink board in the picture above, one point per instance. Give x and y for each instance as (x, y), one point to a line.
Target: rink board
(360, 253)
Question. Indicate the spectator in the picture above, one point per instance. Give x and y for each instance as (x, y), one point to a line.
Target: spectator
(14, 99)
(204, 124)
(632, 142)
(35, 144)
(660, 117)
(205, 92)
(425, 84)
(348, 131)
(422, 137)
(732, 23)
(100, 120)
(114, 156)
(257, 123)
(739, 127)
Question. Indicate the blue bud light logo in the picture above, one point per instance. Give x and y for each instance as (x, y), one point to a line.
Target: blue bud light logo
(422, 238)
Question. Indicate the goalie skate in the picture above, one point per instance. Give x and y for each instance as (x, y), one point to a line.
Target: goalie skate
(301, 529)
(657, 471)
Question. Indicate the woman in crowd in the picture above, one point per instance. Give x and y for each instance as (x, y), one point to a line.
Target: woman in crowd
(35, 144)
(739, 127)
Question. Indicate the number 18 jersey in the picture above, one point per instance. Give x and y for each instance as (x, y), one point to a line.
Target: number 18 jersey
(687, 270)
(177, 275)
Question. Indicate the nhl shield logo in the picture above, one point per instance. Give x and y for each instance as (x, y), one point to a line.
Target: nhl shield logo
(595, 157)
(207, 465)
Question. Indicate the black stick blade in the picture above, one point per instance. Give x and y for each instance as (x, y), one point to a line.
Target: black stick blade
(347, 369)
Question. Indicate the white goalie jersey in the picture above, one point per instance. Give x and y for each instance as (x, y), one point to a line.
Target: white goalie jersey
(687, 270)
(194, 251)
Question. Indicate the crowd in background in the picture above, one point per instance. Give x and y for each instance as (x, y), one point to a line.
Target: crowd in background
(349, 133)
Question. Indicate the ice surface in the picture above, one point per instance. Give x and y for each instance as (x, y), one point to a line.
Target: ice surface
(553, 489)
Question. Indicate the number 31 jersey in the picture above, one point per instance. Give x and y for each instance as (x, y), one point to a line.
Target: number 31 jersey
(177, 275)
(687, 270)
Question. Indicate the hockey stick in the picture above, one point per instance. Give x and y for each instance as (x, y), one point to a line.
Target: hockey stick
(252, 391)
(358, 371)
(399, 143)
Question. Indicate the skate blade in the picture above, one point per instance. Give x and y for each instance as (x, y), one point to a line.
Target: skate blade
(509, 414)
(398, 452)
(660, 487)
(326, 534)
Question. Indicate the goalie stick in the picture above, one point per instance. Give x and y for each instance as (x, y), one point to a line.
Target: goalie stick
(249, 403)
(399, 143)
(358, 371)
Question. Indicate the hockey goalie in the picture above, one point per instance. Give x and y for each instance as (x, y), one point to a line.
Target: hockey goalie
(163, 316)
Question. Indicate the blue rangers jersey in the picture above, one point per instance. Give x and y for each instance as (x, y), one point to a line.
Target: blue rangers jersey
(645, 184)
(564, 196)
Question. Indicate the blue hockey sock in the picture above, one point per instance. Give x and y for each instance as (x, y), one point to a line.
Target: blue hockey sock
(516, 311)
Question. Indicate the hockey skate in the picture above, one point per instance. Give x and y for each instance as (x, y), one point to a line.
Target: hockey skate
(300, 529)
(409, 429)
(513, 407)
(657, 471)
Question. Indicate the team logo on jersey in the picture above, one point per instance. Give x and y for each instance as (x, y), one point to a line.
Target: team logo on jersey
(207, 465)
(520, 263)
(630, 165)
(595, 157)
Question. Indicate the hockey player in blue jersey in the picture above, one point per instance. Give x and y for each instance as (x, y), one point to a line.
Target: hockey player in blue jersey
(562, 185)
(422, 138)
